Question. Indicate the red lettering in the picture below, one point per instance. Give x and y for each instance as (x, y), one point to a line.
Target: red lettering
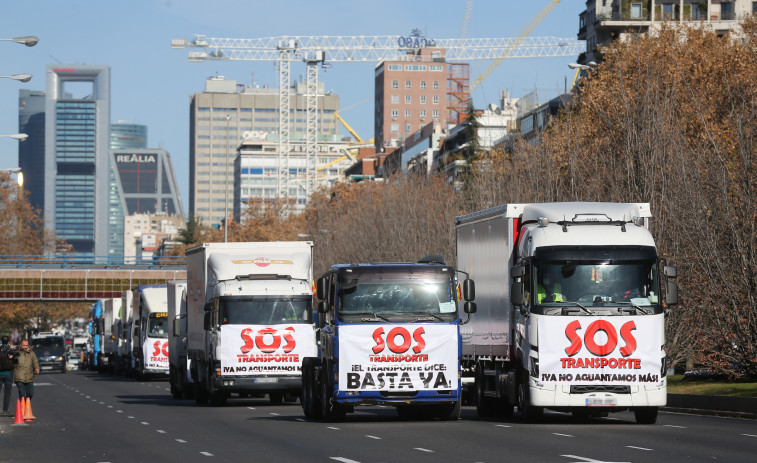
(378, 334)
(418, 336)
(165, 348)
(290, 344)
(248, 342)
(627, 335)
(392, 336)
(157, 348)
(267, 348)
(575, 340)
(612, 338)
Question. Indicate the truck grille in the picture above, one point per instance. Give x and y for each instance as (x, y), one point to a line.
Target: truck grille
(600, 388)
(398, 394)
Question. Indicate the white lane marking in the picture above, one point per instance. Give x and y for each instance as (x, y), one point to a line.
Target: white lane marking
(503, 425)
(207, 454)
(130, 417)
(749, 435)
(674, 426)
(344, 460)
(299, 419)
(160, 431)
(274, 414)
(168, 389)
(88, 397)
(251, 408)
(563, 435)
(181, 441)
(110, 406)
(331, 427)
(372, 437)
(119, 411)
(102, 403)
(638, 448)
(42, 384)
(144, 423)
(424, 450)
(94, 400)
(576, 457)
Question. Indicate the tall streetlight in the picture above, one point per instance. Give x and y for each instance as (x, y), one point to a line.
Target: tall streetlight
(16, 136)
(591, 65)
(20, 77)
(226, 187)
(28, 40)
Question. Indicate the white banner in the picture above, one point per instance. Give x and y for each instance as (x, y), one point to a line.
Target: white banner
(600, 350)
(398, 357)
(155, 354)
(265, 349)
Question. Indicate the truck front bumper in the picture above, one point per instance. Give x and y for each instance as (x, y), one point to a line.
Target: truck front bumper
(393, 399)
(258, 384)
(621, 397)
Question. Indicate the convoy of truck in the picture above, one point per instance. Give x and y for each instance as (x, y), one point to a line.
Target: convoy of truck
(569, 316)
(566, 313)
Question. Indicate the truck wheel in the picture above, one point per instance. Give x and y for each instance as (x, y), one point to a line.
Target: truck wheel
(276, 397)
(218, 398)
(505, 408)
(645, 415)
(329, 411)
(201, 395)
(528, 412)
(451, 412)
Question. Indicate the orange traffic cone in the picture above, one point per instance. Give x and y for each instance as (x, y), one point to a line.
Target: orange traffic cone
(28, 416)
(19, 412)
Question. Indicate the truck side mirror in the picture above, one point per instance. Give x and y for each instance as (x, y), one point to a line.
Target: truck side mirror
(320, 288)
(671, 292)
(206, 321)
(323, 307)
(516, 293)
(469, 289)
(176, 327)
(469, 307)
(208, 307)
(670, 271)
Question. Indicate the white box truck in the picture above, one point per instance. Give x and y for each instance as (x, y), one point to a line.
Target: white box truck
(569, 315)
(123, 333)
(150, 335)
(110, 320)
(178, 372)
(249, 318)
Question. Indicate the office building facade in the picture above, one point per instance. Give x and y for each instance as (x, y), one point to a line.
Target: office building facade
(31, 153)
(219, 116)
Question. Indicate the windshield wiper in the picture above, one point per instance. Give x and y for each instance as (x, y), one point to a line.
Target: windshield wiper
(429, 317)
(579, 305)
(376, 317)
(632, 305)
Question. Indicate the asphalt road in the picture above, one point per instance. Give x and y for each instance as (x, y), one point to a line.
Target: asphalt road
(86, 417)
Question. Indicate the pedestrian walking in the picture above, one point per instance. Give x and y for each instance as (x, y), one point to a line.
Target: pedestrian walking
(27, 365)
(6, 372)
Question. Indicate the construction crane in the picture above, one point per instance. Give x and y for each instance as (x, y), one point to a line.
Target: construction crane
(313, 50)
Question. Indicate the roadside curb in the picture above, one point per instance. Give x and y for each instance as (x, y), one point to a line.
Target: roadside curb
(732, 407)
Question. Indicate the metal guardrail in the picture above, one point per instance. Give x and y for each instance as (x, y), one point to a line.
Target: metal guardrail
(83, 262)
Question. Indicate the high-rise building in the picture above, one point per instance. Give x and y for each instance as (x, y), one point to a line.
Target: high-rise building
(411, 93)
(31, 153)
(77, 142)
(218, 118)
(127, 135)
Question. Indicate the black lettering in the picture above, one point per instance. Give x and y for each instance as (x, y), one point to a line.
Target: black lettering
(353, 380)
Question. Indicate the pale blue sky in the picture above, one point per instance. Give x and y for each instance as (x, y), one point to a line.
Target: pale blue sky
(151, 83)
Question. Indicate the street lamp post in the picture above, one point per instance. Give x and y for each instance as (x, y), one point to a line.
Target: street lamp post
(226, 187)
(19, 77)
(16, 136)
(28, 40)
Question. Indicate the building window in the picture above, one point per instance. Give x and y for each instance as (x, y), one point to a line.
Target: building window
(435, 114)
(407, 113)
(395, 127)
(423, 85)
(436, 85)
(395, 113)
(407, 127)
(395, 84)
(726, 11)
(435, 99)
(408, 84)
(407, 99)
(395, 67)
(423, 114)
(696, 13)
(423, 99)
(635, 10)
(754, 8)
(395, 99)
(667, 11)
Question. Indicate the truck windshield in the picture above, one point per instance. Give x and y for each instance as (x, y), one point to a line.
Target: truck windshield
(410, 296)
(49, 343)
(157, 327)
(629, 282)
(265, 310)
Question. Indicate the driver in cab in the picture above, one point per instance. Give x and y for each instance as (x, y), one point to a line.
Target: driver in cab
(549, 289)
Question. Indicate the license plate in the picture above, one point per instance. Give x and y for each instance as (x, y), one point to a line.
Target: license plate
(601, 402)
(265, 380)
(47, 368)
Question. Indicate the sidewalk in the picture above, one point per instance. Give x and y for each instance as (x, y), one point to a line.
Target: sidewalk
(734, 407)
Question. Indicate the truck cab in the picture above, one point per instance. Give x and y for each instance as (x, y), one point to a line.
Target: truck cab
(388, 335)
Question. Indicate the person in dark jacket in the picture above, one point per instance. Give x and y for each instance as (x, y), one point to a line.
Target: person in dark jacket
(27, 365)
(7, 365)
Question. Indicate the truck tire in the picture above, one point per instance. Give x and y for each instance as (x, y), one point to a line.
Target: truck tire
(451, 412)
(218, 398)
(528, 412)
(276, 398)
(645, 415)
(330, 412)
(310, 405)
(201, 394)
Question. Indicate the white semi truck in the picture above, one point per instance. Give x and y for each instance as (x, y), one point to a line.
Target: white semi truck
(569, 315)
(150, 333)
(178, 372)
(111, 310)
(249, 318)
